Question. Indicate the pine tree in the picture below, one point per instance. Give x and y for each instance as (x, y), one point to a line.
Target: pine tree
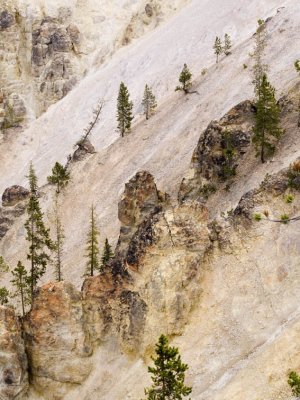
(218, 47)
(93, 262)
(267, 120)
(124, 110)
(21, 282)
(37, 235)
(294, 382)
(259, 68)
(297, 67)
(60, 176)
(185, 78)
(59, 242)
(227, 44)
(168, 374)
(106, 255)
(149, 102)
(4, 295)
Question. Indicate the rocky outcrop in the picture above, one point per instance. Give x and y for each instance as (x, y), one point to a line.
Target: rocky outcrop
(8, 215)
(57, 344)
(218, 153)
(13, 361)
(13, 195)
(84, 148)
(7, 19)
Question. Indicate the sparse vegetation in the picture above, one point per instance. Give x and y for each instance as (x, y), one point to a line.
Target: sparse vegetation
(204, 71)
(60, 177)
(245, 66)
(257, 217)
(168, 374)
(4, 296)
(149, 102)
(21, 283)
(207, 189)
(93, 262)
(3, 265)
(289, 198)
(259, 69)
(294, 175)
(106, 255)
(285, 218)
(294, 382)
(185, 78)
(91, 125)
(227, 45)
(218, 48)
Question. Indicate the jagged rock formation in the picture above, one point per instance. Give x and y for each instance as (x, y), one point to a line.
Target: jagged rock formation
(13, 361)
(14, 195)
(218, 152)
(8, 215)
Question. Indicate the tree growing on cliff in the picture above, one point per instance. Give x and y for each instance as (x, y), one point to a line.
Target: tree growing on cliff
(259, 68)
(59, 241)
(185, 78)
(149, 102)
(4, 295)
(267, 120)
(294, 382)
(93, 262)
(106, 255)
(37, 235)
(60, 177)
(218, 48)
(297, 68)
(227, 44)
(168, 374)
(21, 283)
(124, 110)
(3, 266)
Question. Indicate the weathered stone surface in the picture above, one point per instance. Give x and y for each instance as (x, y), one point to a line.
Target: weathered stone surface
(82, 150)
(13, 195)
(57, 344)
(13, 361)
(6, 20)
(8, 215)
(209, 163)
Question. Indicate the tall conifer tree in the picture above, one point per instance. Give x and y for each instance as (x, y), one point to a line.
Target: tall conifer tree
(185, 78)
(259, 68)
(124, 110)
(59, 241)
(168, 375)
(267, 120)
(149, 102)
(37, 235)
(227, 44)
(60, 176)
(93, 262)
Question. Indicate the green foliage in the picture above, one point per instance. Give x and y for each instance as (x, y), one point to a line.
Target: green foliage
(285, 218)
(3, 266)
(59, 242)
(218, 48)
(245, 66)
(267, 121)
(37, 235)
(60, 176)
(106, 255)
(4, 295)
(21, 283)
(185, 78)
(297, 65)
(168, 374)
(289, 198)
(227, 45)
(207, 189)
(294, 382)
(92, 248)
(293, 175)
(203, 71)
(257, 217)
(124, 110)
(228, 169)
(149, 102)
(10, 119)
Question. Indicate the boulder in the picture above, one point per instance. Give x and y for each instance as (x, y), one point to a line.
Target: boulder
(13, 195)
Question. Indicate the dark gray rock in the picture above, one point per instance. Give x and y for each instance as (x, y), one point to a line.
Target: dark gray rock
(6, 20)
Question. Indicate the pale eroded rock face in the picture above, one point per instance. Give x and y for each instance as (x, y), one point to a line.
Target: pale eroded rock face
(57, 344)
(13, 361)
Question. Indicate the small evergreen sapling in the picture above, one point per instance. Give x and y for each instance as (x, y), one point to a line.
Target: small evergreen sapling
(227, 44)
(21, 283)
(168, 374)
(267, 121)
(60, 176)
(106, 255)
(149, 102)
(93, 262)
(294, 382)
(124, 110)
(4, 295)
(218, 47)
(3, 266)
(185, 78)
